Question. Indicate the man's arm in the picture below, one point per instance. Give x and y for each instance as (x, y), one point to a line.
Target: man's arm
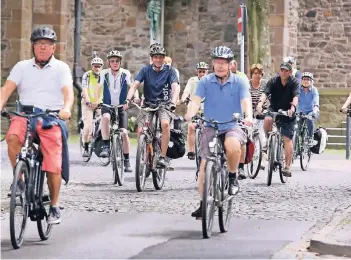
(316, 98)
(6, 91)
(186, 91)
(245, 99)
(132, 89)
(194, 106)
(296, 93)
(347, 102)
(85, 86)
(68, 97)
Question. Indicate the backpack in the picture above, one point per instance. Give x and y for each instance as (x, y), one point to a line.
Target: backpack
(320, 138)
(176, 145)
(98, 143)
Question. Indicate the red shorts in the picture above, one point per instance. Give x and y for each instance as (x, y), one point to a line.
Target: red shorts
(50, 142)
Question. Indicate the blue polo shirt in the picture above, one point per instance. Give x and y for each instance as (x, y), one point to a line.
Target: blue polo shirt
(157, 85)
(223, 100)
(307, 100)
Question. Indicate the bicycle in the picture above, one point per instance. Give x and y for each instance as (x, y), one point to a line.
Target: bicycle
(301, 141)
(149, 151)
(28, 174)
(116, 147)
(254, 166)
(275, 149)
(215, 189)
(95, 127)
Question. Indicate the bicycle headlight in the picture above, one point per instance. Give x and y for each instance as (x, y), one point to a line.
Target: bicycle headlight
(115, 127)
(212, 145)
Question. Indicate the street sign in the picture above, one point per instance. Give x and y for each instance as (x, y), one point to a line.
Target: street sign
(240, 19)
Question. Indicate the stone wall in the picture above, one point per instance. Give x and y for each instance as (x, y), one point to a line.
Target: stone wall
(324, 37)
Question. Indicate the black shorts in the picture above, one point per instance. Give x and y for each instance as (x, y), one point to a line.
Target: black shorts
(122, 116)
(286, 125)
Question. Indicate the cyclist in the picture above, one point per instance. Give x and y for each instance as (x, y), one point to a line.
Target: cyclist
(42, 82)
(189, 91)
(168, 61)
(234, 69)
(89, 81)
(160, 86)
(308, 101)
(225, 93)
(284, 91)
(115, 82)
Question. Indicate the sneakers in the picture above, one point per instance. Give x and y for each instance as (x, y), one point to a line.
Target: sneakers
(286, 172)
(127, 167)
(105, 151)
(54, 216)
(86, 153)
(161, 163)
(191, 155)
(197, 213)
(233, 188)
(241, 174)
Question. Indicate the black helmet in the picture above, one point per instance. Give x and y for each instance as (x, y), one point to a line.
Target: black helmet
(43, 33)
(222, 52)
(157, 49)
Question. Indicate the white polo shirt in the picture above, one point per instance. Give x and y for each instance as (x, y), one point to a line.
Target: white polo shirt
(41, 87)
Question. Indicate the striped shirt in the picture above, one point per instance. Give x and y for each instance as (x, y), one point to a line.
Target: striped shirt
(256, 94)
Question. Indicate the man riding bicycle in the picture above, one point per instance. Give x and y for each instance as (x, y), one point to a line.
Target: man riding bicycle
(115, 82)
(284, 90)
(42, 82)
(161, 86)
(225, 94)
(189, 91)
(89, 81)
(308, 101)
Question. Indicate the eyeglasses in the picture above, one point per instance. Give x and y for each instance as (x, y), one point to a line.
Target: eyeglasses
(46, 44)
(220, 64)
(115, 61)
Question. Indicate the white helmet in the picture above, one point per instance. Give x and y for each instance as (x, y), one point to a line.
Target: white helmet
(307, 75)
(97, 60)
(114, 53)
(202, 65)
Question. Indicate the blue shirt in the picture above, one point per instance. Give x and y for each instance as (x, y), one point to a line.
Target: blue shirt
(157, 85)
(308, 100)
(223, 100)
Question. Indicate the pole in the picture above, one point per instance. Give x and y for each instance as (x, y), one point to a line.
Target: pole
(348, 135)
(242, 45)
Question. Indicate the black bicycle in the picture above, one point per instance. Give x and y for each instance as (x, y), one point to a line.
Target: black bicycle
(149, 151)
(27, 190)
(116, 147)
(216, 182)
(275, 149)
(302, 141)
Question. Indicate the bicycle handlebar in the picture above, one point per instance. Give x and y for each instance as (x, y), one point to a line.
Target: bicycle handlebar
(148, 109)
(111, 106)
(236, 119)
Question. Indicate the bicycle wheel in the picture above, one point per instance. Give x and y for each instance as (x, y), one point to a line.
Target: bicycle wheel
(19, 199)
(117, 160)
(141, 163)
(226, 208)
(281, 159)
(197, 147)
(305, 156)
(44, 229)
(81, 147)
(271, 157)
(158, 175)
(209, 194)
(254, 166)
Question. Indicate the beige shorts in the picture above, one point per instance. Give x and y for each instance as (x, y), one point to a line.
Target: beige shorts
(163, 114)
(209, 133)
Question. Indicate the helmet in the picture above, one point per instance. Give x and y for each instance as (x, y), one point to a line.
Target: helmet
(43, 33)
(97, 60)
(157, 49)
(290, 59)
(222, 52)
(307, 75)
(114, 53)
(202, 65)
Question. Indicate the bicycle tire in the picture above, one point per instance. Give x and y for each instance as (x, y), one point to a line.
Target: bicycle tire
(271, 158)
(252, 172)
(21, 167)
(44, 232)
(158, 175)
(197, 147)
(304, 165)
(140, 170)
(210, 184)
(281, 156)
(117, 160)
(226, 208)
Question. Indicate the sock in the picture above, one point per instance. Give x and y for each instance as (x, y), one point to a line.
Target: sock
(86, 146)
(126, 156)
(106, 142)
(241, 166)
(232, 175)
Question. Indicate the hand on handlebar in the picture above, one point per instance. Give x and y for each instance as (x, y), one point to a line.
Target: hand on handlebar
(65, 114)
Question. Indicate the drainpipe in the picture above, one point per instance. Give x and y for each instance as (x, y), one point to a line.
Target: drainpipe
(77, 69)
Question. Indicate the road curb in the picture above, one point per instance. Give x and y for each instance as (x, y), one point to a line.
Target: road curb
(320, 243)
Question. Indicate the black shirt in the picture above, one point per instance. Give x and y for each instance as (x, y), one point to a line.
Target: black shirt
(282, 96)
